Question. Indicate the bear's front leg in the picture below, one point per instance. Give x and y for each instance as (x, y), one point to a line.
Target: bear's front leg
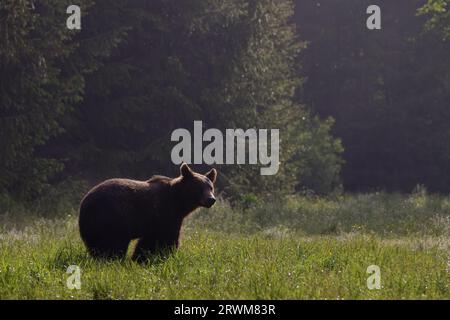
(147, 247)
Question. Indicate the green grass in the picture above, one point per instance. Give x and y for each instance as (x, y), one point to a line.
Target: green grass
(300, 248)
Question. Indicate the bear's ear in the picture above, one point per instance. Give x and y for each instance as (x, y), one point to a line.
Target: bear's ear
(212, 175)
(185, 171)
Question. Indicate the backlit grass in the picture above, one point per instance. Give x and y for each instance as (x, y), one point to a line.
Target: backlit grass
(230, 254)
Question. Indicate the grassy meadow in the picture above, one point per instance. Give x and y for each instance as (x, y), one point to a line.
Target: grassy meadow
(295, 248)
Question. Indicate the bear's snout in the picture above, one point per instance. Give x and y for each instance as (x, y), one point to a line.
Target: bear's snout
(210, 202)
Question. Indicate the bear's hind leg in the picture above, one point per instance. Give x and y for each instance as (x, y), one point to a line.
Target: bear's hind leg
(147, 247)
(144, 248)
(112, 250)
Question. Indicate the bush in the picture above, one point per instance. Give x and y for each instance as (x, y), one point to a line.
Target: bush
(380, 213)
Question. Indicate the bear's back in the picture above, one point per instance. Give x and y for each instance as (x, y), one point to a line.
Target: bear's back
(114, 189)
(120, 190)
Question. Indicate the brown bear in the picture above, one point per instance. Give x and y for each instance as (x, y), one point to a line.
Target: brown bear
(119, 210)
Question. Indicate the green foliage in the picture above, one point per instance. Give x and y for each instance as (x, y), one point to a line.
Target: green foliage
(60, 198)
(319, 160)
(438, 11)
(415, 215)
(35, 93)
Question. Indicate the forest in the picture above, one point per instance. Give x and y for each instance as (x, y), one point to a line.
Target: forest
(359, 110)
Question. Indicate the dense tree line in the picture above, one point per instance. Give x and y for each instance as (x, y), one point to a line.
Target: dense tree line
(103, 102)
(388, 89)
(37, 87)
(140, 69)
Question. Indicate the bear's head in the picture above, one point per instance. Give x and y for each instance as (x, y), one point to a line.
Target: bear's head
(197, 189)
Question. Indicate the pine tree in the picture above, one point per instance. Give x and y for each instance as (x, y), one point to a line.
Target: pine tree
(34, 92)
(42, 70)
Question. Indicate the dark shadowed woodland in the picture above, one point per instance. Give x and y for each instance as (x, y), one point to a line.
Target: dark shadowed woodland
(359, 110)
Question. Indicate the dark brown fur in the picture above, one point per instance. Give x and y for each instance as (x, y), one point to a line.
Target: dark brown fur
(119, 210)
